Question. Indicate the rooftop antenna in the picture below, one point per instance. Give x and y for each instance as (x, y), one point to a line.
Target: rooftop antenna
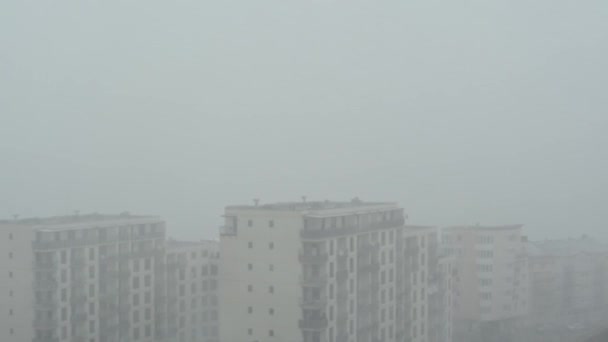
(15, 217)
(256, 201)
(304, 199)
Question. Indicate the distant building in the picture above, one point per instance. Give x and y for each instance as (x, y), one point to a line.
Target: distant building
(192, 286)
(491, 281)
(325, 272)
(568, 281)
(82, 278)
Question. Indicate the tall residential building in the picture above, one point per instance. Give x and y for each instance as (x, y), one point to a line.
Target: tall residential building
(323, 272)
(83, 278)
(192, 285)
(568, 282)
(491, 292)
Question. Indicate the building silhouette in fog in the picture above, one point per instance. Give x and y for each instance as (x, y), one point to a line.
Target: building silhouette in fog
(327, 272)
(192, 285)
(491, 281)
(83, 278)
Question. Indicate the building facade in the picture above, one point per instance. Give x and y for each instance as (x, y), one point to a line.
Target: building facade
(568, 282)
(330, 271)
(92, 278)
(491, 281)
(192, 286)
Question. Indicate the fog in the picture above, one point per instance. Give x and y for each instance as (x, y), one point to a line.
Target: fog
(463, 112)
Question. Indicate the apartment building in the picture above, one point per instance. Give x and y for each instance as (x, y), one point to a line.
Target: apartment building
(568, 282)
(440, 296)
(491, 281)
(192, 285)
(323, 272)
(89, 278)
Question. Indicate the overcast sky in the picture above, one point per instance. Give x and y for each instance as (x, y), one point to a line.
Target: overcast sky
(462, 111)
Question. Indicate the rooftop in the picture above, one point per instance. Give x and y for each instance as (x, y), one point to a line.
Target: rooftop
(567, 247)
(487, 228)
(76, 220)
(310, 205)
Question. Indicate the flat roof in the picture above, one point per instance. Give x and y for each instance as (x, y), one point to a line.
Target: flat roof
(486, 227)
(312, 206)
(80, 221)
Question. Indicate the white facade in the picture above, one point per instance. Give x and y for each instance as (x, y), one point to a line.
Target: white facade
(491, 281)
(323, 272)
(91, 278)
(16, 283)
(192, 286)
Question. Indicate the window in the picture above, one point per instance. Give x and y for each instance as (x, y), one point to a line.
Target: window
(250, 288)
(271, 311)
(250, 267)
(250, 223)
(270, 289)
(250, 331)
(271, 223)
(271, 268)
(250, 244)
(10, 255)
(270, 332)
(250, 309)
(271, 245)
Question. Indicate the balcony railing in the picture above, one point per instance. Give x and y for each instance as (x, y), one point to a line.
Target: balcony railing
(313, 303)
(313, 280)
(316, 324)
(309, 233)
(45, 323)
(313, 259)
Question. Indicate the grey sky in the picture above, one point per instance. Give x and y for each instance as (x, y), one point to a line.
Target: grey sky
(474, 111)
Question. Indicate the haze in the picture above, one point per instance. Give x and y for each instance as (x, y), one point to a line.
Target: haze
(463, 112)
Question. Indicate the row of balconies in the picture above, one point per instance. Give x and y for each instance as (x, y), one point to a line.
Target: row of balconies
(310, 233)
(317, 324)
(313, 280)
(313, 303)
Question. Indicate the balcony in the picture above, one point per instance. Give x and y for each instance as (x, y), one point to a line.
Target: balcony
(313, 280)
(78, 298)
(307, 258)
(314, 234)
(313, 303)
(46, 303)
(45, 323)
(228, 231)
(316, 324)
(79, 318)
(46, 265)
(48, 284)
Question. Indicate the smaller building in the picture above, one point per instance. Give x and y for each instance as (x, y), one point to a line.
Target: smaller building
(568, 281)
(192, 285)
(491, 292)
